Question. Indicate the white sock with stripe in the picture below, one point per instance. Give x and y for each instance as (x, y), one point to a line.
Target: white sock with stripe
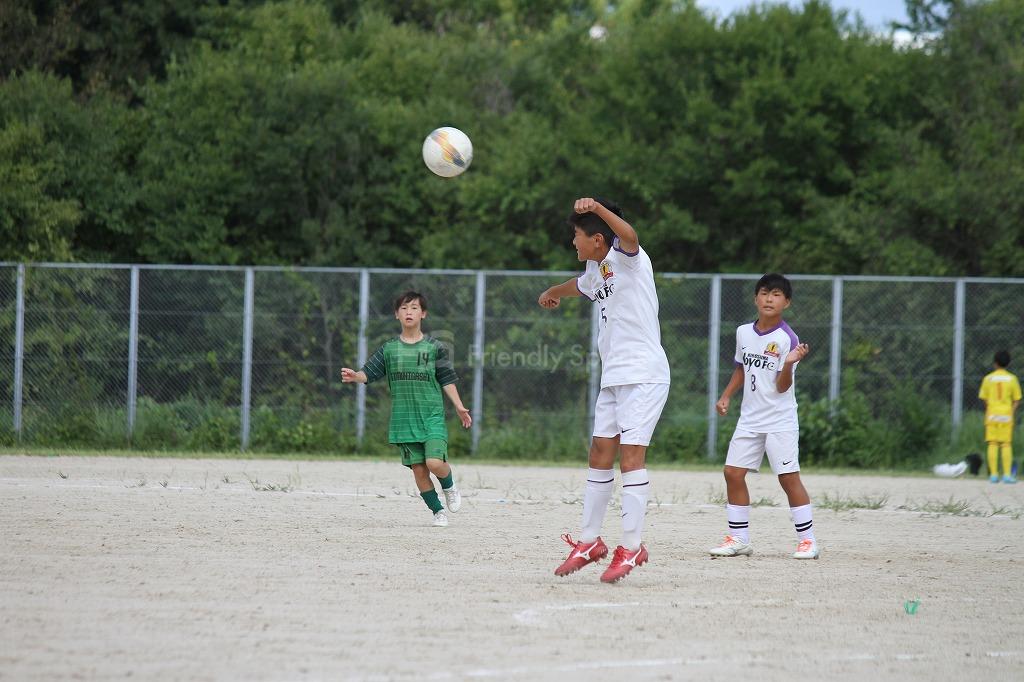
(739, 521)
(596, 497)
(636, 488)
(802, 522)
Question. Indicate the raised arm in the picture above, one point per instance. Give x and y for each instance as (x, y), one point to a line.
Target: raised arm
(550, 297)
(785, 378)
(628, 241)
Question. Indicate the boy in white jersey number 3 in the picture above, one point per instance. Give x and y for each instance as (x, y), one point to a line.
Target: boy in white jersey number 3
(634, 380)
(767, 353)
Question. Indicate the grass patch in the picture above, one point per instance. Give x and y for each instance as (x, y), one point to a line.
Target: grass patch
(838, 503)
(952, 506)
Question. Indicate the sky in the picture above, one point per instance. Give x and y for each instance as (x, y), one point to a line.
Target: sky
(876, 13)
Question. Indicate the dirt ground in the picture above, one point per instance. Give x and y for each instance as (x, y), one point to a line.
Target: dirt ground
(284, 570)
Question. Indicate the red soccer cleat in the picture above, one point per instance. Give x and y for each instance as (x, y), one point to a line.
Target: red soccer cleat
(581, 554)
(623, 562)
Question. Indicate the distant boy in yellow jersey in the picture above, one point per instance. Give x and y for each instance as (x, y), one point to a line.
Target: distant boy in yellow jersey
(1000, 391)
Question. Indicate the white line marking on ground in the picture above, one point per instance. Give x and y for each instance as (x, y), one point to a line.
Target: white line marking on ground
(532, 616)
(680, 662)
(391, 495)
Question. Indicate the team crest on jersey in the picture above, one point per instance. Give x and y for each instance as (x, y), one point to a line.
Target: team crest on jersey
(606, 270)
(772, 349)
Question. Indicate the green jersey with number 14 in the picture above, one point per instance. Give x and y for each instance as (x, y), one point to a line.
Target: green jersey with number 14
(415, 373)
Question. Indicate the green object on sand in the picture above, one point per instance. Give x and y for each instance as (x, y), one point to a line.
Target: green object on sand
(910, 606)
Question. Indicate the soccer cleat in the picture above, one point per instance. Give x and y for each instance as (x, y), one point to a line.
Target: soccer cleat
(806, 549)
(993, 479)
(581, 555)
(624, 561)
(732, 546)
(440, 519)
(452, 499)
(1009, 479)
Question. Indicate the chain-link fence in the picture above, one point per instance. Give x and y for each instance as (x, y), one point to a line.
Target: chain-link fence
(207, 358)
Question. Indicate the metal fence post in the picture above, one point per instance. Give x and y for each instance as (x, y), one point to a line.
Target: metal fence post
(247, 354)
(478, 358)
(959, 305)
(364, 321)
(835, 341)
(19, 347)
(714, 341)
(133, 351)
(594, 365)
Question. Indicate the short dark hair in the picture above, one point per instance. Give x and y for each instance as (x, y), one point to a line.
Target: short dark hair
(1002, 358)
(591, 223)
(774, 280)
(409, 297)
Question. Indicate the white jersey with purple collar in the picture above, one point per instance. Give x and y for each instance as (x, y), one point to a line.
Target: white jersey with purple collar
(761, 355)
(630, 335)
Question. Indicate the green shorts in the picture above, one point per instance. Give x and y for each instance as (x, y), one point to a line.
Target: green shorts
(418, 453)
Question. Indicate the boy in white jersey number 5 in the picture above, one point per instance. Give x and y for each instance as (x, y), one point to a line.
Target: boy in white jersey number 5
(767, 353)
(634, 380)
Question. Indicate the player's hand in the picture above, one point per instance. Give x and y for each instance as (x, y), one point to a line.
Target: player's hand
(546, 300)
(798, 354)
(585, 205)
(348, 376)
(722, 406)
(464, 417)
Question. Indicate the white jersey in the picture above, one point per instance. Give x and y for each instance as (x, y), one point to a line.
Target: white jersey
(630, 336)
(761, 354)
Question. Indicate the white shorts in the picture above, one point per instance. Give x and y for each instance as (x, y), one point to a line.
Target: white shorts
(630, 411)
(747, 450)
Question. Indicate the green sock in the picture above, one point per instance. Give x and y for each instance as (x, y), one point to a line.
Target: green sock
(430, 497)
(448, 481)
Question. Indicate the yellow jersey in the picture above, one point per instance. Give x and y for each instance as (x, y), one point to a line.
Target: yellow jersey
(1000, 389)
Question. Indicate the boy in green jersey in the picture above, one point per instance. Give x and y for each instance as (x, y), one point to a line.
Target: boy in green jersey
(418, 369)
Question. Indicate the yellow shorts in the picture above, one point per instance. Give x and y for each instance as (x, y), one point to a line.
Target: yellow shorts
(997, 430)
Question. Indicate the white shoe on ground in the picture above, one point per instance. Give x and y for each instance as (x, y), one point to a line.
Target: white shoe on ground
(732, 546)
(806, 549)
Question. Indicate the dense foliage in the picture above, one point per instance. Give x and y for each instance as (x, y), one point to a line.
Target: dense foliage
(231, 131)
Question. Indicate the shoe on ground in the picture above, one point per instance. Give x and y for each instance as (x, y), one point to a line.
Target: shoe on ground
(732, 546)
(440, 519)
(452, 499)
(582, 553)
(993, 479)
(624, 561)
(806, 549)
(1009, 479)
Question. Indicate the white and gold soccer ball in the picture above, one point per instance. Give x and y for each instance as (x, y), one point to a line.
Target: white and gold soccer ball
(447, 152)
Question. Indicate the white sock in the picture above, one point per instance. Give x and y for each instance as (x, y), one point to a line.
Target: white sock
(636, 488)
(802, 522)
(739, 521)
(596, 497)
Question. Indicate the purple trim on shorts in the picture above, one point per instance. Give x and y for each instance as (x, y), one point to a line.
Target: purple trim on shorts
(615, 245)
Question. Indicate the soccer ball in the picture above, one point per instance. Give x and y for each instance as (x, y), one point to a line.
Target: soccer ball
(447, 152)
